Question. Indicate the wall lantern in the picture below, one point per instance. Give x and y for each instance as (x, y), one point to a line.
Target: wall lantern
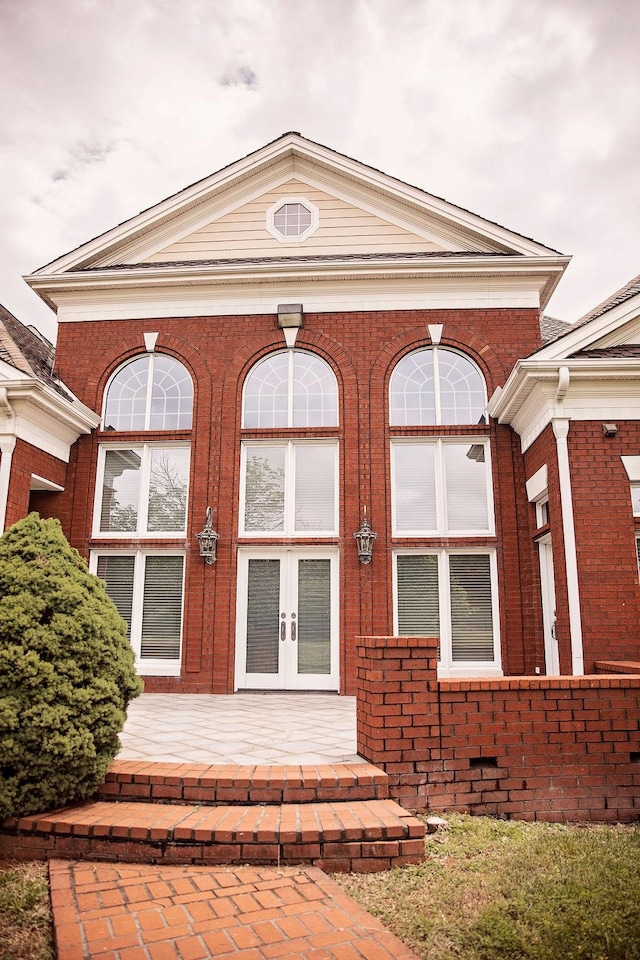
(208, 540)
(364, 538)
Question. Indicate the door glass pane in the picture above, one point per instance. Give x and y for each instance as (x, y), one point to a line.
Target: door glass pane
(314, 616)
(418, 604)
(264, 488)
(162, 608)
(120, 491)
(117, 572)
(315, 488)
(168, 481)
(263, 616)
(466, 484)
(471, 610)
(415, 486)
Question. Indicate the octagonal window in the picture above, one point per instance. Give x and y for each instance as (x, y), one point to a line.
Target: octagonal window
(292, 219)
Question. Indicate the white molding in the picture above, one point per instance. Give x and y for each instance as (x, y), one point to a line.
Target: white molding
(632, 466)
(7, 446)
(561, 431)
(578, 389)
(150, 340)
(435, 332)
(411, 289)
(537, 485)
(41, 483)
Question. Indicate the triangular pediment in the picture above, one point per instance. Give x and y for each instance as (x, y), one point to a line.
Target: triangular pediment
(360, 211)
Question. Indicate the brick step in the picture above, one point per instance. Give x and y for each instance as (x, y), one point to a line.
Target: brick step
(244, 784)
(338, 836)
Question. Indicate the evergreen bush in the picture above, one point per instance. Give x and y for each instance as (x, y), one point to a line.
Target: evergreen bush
(66, 671)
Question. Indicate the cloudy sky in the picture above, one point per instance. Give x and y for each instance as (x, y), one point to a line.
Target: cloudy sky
(526, 112)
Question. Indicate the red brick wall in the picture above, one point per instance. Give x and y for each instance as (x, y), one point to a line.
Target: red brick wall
(605, 541)
(26, 460)
(546, 748)
(363, 348)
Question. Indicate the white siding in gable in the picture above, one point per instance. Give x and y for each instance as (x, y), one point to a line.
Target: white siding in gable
(343, 228)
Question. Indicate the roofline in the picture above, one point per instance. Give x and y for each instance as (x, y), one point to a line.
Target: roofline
(294, 144)
(579, 336)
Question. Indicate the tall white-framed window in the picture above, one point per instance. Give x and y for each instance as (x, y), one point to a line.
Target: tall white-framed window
(450, 594)
(290, 388)
(441, 487)
(151, 392)
(142, 490)
(289, 488)
(147, 588)
(436, 385)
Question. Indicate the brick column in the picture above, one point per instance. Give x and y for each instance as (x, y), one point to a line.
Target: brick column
(398, 727)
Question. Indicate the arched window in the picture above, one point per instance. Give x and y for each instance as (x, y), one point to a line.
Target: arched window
(291, 389)
(150, 392)
(436, 386)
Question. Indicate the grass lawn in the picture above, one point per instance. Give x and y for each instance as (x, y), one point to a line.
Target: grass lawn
(25, 913)
(507, 890)
(489, 890)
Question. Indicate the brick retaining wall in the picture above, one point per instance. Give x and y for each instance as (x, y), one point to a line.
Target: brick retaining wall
(545, 748)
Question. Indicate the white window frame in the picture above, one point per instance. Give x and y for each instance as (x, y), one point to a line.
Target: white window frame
(447, 667)
(147, 409)
(441, 528)
(288, 530)
(435, 351)
(148, 666)
(143, 507)
(300, 238)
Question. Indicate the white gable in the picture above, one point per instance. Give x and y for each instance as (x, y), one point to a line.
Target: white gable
(374, 243)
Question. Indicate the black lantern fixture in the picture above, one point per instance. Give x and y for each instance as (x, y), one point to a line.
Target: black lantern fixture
(364, 538)
(208, 540)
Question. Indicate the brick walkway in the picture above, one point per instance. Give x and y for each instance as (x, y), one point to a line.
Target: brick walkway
(123, 911)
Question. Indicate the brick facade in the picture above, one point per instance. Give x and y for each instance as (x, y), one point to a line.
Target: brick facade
(532, 748)
(219, 352)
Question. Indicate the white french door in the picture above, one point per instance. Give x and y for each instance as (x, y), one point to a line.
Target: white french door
(287, 619)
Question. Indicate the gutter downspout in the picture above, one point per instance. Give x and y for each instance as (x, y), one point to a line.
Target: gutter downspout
(7, 446)
(561, 431)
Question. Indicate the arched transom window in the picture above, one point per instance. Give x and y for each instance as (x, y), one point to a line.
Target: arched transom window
(150, 392)
(436, 386)
(291, 389)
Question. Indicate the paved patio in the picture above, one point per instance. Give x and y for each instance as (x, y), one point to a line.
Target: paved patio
(310, 728)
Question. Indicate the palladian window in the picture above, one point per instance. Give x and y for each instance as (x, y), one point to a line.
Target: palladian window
(150, 392)
(441, 487)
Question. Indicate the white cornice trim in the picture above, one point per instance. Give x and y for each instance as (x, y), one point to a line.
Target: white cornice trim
(294, 148)
(44, 418)
(542, 274)
(575, 389)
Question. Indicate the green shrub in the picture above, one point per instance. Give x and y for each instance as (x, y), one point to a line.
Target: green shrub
(66, 671)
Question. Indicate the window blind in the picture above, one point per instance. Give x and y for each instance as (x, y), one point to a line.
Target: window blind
(315, 487)
(263, 616)
(418, 603)
(471, 607)
(162, 608)
(120, 491)
(314, 616)
(466, 487)
(118, 573)
(415, 486)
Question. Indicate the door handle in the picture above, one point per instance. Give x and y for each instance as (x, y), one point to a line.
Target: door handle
(283, 630)
(293, 631)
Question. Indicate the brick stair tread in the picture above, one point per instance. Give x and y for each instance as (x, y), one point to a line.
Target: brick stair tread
(242, 783)
(337, 821)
